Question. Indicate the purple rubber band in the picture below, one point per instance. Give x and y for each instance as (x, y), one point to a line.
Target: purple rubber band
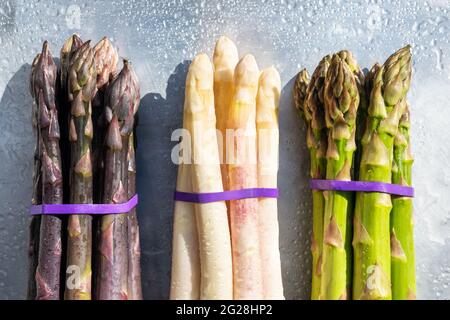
(57, 209)
(364, 186)
(226, 195)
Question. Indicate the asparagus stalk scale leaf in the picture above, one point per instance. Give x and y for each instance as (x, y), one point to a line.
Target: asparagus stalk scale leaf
(122, 99)
(309, 101)
(82, 88)
(341, 104)
(371, 239)
(43, 87)
(402, 225)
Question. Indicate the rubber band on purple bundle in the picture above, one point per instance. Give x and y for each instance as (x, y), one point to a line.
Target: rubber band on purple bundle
(57, 209)
(363, 186)
(226, 195)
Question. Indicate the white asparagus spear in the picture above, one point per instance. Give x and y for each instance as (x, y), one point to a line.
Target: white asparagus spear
(268, 139)
(225, 60)
(212, 221)
(185, 280)
(242, 173)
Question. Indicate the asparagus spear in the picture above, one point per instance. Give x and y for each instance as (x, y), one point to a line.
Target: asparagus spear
(242, 173)
(402, 225)
(225, 59)
(361, 116)
(63, 105)
(341, 104)
(185, 280)
(43, 87)
(69, 47)
(371, 237)
(134, 246)
(212, 221)
(81, 86)
(310, 105)
(35, 223)
(106, 59)
(267, 102)
(122, 98)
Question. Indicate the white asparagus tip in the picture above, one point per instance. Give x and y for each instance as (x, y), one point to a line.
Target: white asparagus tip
(225, 51)
(270, 78)
(246, 71)
(200, 72)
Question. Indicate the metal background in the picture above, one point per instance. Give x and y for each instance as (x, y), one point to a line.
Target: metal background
(160, 37)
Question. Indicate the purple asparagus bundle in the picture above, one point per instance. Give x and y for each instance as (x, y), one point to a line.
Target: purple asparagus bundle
(122, 99)
(43, 81)
(82, 88)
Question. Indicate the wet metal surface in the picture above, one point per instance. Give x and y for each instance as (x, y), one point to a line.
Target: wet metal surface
(160, 37)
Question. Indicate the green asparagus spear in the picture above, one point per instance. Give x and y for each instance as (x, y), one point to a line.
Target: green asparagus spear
(43, 87)
(341, 105)
(82, 88)
(311, 105)
(122, 98)
(361, 116)
(402, 225)
(371, 238)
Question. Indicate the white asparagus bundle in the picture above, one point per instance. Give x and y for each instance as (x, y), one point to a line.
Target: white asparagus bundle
(268, 140)
(185, 280)
(225, 60)
(212, 220)
(242, 173)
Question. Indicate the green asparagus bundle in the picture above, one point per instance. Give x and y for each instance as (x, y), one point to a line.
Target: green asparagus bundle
(341, 99)
(371, 239)
(82, 88)
(43, 82)
(122, 99)
(403, 275)
(310, 104)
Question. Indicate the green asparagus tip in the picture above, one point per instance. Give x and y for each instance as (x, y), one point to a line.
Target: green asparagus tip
(397, 75)
(300, 88)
